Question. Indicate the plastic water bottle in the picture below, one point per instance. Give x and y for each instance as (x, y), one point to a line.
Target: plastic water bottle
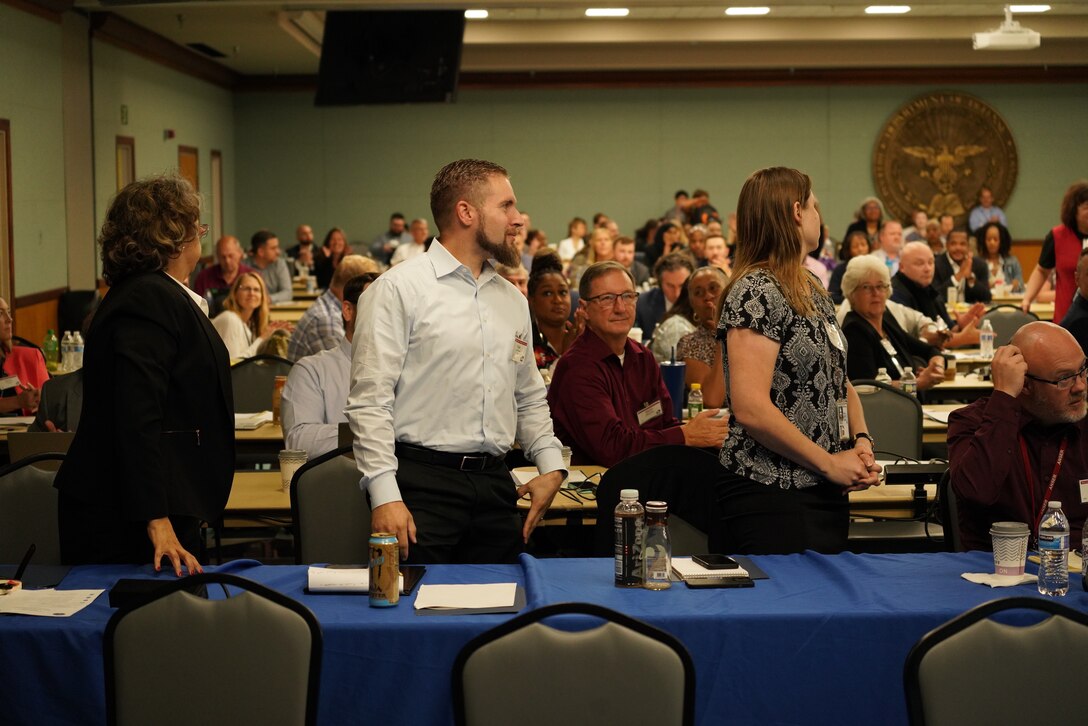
(629, 525)
(882, 376)
(909, 382)
(66, 352)
(657, 552)
(695, 400)
(77, 351)
(986, 339)
(51, 349)
(1054, 551)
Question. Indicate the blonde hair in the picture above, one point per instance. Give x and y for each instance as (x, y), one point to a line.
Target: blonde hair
(258, 321)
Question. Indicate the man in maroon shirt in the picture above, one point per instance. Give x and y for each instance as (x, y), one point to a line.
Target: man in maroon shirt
(607, 398)
(1007, 449)
(218, 278)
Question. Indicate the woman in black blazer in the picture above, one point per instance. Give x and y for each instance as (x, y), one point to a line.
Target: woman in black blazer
(154, 453)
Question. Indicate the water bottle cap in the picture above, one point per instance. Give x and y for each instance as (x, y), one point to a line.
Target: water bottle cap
(696, 386)
(629, 494)
(1054, 504)
(656, 507)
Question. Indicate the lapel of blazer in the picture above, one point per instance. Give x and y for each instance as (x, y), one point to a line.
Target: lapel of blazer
(215, 346)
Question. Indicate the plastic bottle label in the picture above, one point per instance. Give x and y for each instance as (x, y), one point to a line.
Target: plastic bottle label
(1053, 542)
(628, 532)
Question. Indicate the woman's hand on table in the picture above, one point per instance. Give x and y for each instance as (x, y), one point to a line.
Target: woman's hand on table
(165, 541)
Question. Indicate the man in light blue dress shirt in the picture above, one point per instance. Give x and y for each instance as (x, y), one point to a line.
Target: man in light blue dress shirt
(443, 380)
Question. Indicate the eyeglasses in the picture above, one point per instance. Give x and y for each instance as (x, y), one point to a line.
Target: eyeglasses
(1065, 382)
(609, 299)
(203, 230)
(254, 289)
(870, 289)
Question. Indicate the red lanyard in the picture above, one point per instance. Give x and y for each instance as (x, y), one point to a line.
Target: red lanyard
(1031, 479)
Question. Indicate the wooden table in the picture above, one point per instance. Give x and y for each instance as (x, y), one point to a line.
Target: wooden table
(286, 316)
(258, 493)
(935, 432)
(262, 444)
(964, 388)
(1044, 311)
(298, 304)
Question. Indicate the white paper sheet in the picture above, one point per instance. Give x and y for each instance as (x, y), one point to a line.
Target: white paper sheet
(941, 416)
(250, 421)
(336, 579)
(525, 475)
(15, 421)
(444, 597)
(688, 568)
(47, 603)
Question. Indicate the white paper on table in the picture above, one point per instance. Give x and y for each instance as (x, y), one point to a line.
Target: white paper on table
(251, 421)
(338, 579)
(10, 421)
(47, 603)
(444, 597)
(989, 578)
(524, 475)
(941, 416)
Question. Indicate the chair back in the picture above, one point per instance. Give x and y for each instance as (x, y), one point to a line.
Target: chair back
(253, 380)
(330, 511)
(621, 652)
(894, 418)
(22, 444)
(1006, 320)
(28, 510)
(949, 512)
(681, 476)
(961, 672)
(251, 658)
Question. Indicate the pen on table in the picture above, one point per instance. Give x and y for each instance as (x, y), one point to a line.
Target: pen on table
(26, 561)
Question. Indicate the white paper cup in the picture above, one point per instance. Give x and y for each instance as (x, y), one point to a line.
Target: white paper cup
(1010, 540)
(290, 462)
(566, 457)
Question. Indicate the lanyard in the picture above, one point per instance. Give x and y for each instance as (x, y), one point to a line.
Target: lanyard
(1031, 479)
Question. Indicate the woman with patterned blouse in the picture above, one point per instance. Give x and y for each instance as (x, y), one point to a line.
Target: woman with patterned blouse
(797, 438)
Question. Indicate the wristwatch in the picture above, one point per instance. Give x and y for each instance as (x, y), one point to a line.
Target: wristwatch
(864, 435)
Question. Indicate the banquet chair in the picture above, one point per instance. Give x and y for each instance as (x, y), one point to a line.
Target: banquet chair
(1006, 320)
(681, 476)
(28, 510)
(894, 419)
(253, 380)
(961, 672)
(949, 513)
(626, 659)
(22, 444)
(330, 511)
(181, 659)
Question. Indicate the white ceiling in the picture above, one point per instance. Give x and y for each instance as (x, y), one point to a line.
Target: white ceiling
(258, 37)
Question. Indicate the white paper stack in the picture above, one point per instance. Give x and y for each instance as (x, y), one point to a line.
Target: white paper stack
(466, 597)
(251, 421)
(329, 579)
(688, 569)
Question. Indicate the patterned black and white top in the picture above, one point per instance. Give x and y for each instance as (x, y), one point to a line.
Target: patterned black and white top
(809, 377)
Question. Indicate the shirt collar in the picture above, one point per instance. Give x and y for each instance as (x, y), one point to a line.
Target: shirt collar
(444, 264)
(345, 347)
(199, 300)
(599, 350)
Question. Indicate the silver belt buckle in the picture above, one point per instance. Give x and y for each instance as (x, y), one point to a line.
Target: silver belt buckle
(473, 463)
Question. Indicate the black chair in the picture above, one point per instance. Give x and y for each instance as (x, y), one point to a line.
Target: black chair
(681, 476)
(28, 510)
(949, 512)
(640, 674)
(252, 658)
(962, 672)
(1006, 320)
(253, 380)
(894, 418)
(330, 510)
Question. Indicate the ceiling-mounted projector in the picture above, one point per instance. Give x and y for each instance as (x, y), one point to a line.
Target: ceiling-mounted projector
(1010, 36)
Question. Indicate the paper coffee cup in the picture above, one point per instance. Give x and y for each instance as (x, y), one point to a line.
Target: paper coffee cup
(1010, 540)
(291, 460)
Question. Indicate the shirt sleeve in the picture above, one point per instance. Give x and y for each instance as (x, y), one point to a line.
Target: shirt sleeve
(534, 428)
(303, 409)
(758, 304)
(982, 442)
(1047, 259)
(280, 283)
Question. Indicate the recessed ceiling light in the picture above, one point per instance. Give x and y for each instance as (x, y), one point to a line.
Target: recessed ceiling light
(887, 9)
(747, 11)
(476, 14)
(1029, 8)
(607, 12)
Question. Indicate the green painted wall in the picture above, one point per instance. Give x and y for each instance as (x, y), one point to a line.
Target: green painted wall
(30, 98)
(200, 114)
(623, 151)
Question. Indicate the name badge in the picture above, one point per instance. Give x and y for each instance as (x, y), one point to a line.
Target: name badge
(521, 348)
(1084, 491)
(833, 335)
(843, 416)
(8, 382)
(650, 412)
(887, 346)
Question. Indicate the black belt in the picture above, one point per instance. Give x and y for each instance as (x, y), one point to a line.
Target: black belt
(461, 462)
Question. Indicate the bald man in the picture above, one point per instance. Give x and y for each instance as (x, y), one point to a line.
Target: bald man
(913, 286)
(218, 278)
(1004, 449)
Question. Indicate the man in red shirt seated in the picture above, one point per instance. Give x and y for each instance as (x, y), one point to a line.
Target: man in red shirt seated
(1027, 443)
(607, 398)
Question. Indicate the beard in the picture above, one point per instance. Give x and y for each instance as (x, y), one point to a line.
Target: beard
(503, 253)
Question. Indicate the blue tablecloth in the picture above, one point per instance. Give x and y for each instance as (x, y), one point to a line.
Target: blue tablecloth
(822, 641)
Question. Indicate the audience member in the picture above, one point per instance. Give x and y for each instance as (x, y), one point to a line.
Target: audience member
(985, 211)
(934, 238)
(384, 244)
(717, 254)
(671, 271)
(334, 249)
(890, 245)
(668, 238)
(1060, 252)
(535, 240)
(601, 247)
(916, 232)
(1002, 267)
(24, 363)
(420, 232)
(549, 305)
(317, 387)
(1027, 443)
(913, 286)
(700, 210)
(623, 251)
(574, 242)
(678, 322)
(264, 258)
(948, 223)
(797, 440)
(874, 339)
(434, 405)
(960, 269)
(217, 279)
(516, 275)
(243, 324)
(868, 219)
(855, 244)
(321, 326)
(697, 349)
(1075, 321)
(607, 398)
(304, 239)
(697, 244)
(678, 212)
(153, 456)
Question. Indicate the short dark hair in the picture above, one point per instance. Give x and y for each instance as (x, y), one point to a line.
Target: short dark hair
(1004, 245)
(354, 287)
(844, 249)
(679, 193)
(462, 179)
(260, 239)
(146, 225)
(396, 215)
(621, 240)
(700, 193)
(1075, 195)
(672, 262)
(600, 269)
(545, 262)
